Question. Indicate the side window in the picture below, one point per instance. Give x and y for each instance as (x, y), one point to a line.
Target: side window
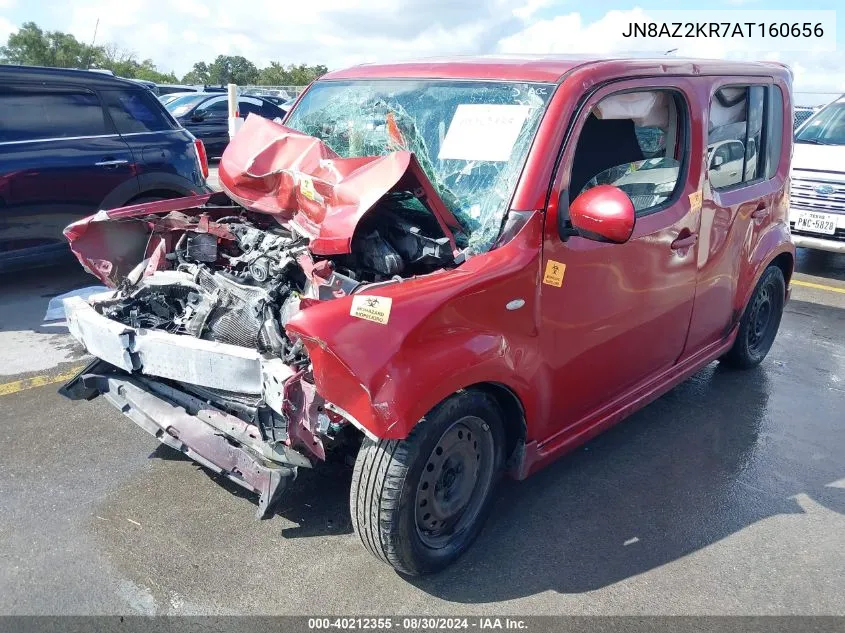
(737, 121)
(635, 141)
(31, 114)
(269, 111)
(775, 133)
(132, 112)
(246, 107)
(721, 155)
(216, 108)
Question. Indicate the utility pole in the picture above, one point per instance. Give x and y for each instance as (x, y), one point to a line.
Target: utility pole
(93, 39)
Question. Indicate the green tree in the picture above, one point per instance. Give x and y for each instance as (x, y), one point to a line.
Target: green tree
(35, 47)
(293, 75)
(273, 75)
(147, 70)
(233, 69)
(199, 74)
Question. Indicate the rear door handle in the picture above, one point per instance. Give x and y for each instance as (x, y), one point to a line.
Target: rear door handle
(111, 163)
(684, 242)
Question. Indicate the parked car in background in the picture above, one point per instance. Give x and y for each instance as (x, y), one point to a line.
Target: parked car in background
(455, 269)
(206, 116)
(172, 96)
(149, 85)
(817, 203)
(73, 142)
(279, 101)
(277, 94)
(801, 114)
(166, 89)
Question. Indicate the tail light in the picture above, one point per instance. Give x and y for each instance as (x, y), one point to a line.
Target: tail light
(202, 157)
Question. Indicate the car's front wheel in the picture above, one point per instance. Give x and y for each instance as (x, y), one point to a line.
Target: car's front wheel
(760, 321)
(419, 503)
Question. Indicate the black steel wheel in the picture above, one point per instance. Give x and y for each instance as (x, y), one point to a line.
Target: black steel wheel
(419, 503)
(455, 481)
(759, 324)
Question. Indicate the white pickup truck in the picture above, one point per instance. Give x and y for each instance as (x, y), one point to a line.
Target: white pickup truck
(817, 203)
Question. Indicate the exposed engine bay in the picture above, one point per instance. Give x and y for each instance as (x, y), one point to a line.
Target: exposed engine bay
(224, 274)
(240, 278)
(192, 342)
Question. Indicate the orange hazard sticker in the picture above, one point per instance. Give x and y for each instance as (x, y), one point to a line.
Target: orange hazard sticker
(554, 273)
(695, 200)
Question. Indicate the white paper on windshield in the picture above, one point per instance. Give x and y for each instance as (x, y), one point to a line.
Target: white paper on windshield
(483, 132)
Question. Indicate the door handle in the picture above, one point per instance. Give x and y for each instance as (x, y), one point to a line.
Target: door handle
(111, 163)
(684, 242)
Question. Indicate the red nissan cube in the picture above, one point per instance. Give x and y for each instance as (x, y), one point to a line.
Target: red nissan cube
(453, 269)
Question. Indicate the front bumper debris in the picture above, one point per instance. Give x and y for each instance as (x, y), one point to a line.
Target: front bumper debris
(183, 358)
(221, 442)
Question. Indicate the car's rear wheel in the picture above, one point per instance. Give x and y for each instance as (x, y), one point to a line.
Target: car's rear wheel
(419, 503)
(760, 321)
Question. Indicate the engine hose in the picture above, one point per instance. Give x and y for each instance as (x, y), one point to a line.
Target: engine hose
(178, 250)
(271, 329)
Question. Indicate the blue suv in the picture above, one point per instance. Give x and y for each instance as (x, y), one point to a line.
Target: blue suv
(73, 142)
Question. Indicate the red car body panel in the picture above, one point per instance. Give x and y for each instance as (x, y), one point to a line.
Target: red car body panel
(299, 179)
(627, 323)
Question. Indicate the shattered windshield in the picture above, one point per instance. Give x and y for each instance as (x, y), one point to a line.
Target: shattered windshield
(470, 137)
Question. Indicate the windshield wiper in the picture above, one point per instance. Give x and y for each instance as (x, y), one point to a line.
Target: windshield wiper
(813, 141)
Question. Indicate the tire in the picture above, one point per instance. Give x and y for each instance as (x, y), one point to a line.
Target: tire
(396, 482)
(145, 199)
(760, 322)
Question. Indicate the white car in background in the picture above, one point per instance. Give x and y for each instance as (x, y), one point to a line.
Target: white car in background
(817, 202)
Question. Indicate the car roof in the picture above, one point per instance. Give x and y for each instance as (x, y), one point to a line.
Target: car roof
(544, 68)
(70, 76)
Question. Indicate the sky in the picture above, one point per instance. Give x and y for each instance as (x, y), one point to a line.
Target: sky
(338, 33)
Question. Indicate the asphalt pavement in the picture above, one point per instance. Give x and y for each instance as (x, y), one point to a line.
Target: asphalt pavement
(726, 496)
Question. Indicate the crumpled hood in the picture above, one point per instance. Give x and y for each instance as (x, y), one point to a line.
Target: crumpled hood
(273, 169)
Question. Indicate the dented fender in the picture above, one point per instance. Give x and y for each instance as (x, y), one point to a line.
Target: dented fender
(774, 241)
(446, 331)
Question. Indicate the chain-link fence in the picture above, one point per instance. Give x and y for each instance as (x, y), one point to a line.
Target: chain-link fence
(807, 103)
(282, 92)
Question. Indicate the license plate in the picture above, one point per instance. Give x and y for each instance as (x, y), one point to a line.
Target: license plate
(816, 222)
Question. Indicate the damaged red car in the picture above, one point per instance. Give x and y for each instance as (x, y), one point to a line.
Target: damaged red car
(455, 269)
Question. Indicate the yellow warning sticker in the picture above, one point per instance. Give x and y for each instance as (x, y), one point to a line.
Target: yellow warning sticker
(695, 200)
(554, 273)
(375, 309)
(306, 187)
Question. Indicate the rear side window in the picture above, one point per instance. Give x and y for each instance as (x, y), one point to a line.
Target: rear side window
(776, 137)
(33, 114)
(248, 107)
(134, 111)
(269, 111)
(218, 107)
(737, 135)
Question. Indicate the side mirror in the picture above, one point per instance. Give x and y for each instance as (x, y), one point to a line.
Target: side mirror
(718, 161)
(198, 117)
(604, 213)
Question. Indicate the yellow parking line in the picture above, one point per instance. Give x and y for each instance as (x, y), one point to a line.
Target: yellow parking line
(809, 284)
(37, 381)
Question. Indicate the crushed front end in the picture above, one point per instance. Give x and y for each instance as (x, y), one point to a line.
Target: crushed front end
(191, 342)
